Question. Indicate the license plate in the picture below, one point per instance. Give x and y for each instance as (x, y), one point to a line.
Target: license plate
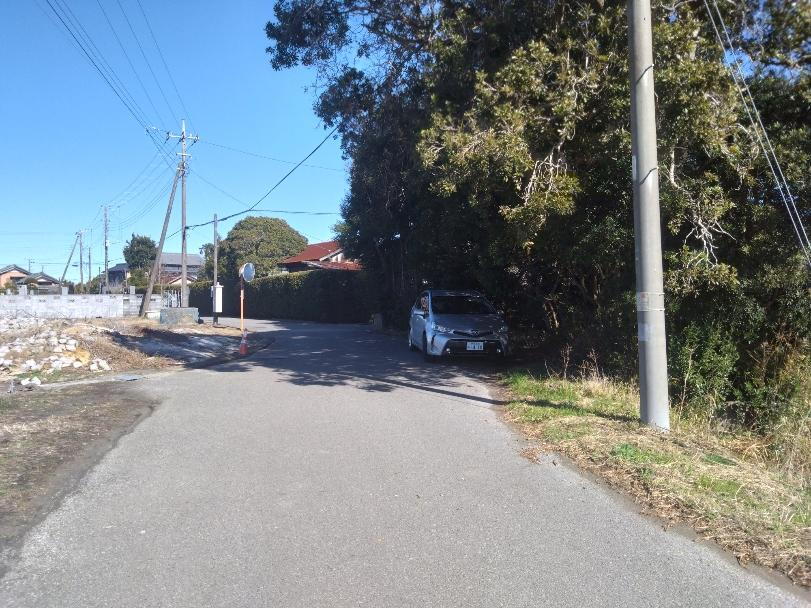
(475, 346)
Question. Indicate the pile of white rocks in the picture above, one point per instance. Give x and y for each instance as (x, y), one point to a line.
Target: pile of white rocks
(44, 352)
(8, 325)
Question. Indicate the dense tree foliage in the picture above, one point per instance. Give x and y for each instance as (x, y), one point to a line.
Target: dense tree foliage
(490, 148)
(264, 241)
(140, 252)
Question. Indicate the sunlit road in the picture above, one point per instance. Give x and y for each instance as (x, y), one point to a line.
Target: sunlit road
(337, 469)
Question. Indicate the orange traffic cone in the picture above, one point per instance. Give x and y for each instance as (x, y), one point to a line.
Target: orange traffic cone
(243, 345)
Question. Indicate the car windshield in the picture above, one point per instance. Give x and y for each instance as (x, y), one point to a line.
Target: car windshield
(460, 305)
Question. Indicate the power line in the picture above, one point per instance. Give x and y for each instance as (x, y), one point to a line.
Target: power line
(760, 133)
(87, 54)
(266, 194)
(297, 212)
(216, 187)
(148, 65)
(127, 57)
(157, 173)
(84, 43)
(137, 215)
(98, 54)
(131, 186)
(165, 65)
(278, 160)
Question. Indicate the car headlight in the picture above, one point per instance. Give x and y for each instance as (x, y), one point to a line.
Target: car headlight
(441, 328)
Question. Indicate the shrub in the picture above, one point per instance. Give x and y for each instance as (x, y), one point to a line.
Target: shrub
(328, 296)
(701, 363)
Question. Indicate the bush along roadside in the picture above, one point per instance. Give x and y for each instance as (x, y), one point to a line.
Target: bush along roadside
(329, 296)
(729, 484)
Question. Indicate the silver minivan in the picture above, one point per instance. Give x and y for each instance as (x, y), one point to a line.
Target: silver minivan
(445, 322)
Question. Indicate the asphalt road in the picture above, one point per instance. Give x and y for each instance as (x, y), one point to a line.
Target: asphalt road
(336, 469)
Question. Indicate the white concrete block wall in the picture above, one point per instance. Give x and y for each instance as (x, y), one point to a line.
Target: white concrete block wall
(77, 306)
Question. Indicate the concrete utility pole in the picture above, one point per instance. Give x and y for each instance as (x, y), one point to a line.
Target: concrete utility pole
(89, 251)
(650, 300)
(106, 250)
(81, 261)
(215, 316)
(157, 263)
(183, 137)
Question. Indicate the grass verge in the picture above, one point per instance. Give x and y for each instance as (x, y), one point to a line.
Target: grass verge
(715, 480)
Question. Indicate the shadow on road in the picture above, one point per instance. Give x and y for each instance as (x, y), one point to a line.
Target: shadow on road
(333, 355)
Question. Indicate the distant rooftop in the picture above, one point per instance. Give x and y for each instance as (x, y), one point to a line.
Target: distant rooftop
(39, 277)
(192, 259)
(314, 252)
(11, 267)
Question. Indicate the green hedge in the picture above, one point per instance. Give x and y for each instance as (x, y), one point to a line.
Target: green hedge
(330, 296)
(200, 297)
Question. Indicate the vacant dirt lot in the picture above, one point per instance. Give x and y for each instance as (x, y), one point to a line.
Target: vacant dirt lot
(44, 351)
(48, 439)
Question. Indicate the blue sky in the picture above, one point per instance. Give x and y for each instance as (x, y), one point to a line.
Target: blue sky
(70, 145)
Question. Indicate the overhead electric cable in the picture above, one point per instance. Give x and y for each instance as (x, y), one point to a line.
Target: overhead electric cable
(155, 175)
(129, 186)
(165, 65)
(146, 60)
(216, 187)
(146, 208)
(278, 160)
(288, 211)
(268, 193)
(86, 46)
(129, 61)
(84, 50)
(759, 129)
(96, 52)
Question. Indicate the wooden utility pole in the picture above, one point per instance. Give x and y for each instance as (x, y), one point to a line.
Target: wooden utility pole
(157, 263)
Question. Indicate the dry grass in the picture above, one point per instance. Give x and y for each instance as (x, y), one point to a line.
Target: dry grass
(48, 438)
(728, 485)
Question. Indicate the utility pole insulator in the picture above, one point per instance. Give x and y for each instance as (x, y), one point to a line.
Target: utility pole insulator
(650, 302)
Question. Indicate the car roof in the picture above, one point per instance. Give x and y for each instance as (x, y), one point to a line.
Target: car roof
(454, 292)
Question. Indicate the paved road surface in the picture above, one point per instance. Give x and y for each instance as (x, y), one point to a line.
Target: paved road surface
(336, 469)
